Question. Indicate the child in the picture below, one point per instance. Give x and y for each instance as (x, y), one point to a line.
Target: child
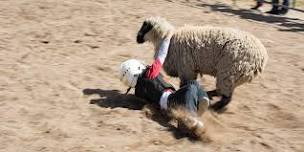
(191, 97)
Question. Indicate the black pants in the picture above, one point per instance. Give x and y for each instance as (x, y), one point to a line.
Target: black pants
(188, 95)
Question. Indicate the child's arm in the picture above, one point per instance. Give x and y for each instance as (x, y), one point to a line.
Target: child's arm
(155, 68)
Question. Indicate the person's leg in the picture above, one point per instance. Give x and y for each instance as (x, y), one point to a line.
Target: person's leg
(187, 99)
(275, 4)
(258, 4)
(191, 96)
(275, 7)
(285, 6)
(203, 99)
(286, 2)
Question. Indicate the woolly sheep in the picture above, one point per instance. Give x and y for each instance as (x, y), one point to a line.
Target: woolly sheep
(232, 56)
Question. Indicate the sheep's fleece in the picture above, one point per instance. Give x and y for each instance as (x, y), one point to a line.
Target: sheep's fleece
(232, 56)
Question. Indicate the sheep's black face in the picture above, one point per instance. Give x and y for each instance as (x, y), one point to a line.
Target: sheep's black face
(145, 28)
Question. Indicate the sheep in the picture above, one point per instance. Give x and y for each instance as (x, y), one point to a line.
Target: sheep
(232, 56)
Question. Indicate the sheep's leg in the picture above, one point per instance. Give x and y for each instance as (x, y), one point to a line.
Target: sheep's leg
(212, 93)
(222, 103)
(224, 87)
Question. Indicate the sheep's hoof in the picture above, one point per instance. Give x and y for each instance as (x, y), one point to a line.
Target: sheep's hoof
(220, 105)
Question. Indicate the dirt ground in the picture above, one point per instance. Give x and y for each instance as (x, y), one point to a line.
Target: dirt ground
(53, 50)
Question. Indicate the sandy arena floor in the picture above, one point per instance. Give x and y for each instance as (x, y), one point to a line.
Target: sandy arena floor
(51, 50)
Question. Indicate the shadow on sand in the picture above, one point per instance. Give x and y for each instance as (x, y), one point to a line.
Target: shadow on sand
(289, 24)
(115, 99)
(286, 23)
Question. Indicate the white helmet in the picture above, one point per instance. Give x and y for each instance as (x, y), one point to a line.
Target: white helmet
(130, 70)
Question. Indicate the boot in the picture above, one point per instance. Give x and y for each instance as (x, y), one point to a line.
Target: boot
(283, 11)
(275, 8)
(274, 11)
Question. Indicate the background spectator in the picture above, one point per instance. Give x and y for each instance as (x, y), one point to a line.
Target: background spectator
(276, 9)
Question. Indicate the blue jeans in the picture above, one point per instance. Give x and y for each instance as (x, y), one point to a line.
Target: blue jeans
(188, 96)
(276, 2)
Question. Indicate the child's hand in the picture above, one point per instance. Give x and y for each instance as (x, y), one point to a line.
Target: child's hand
(154, 70)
